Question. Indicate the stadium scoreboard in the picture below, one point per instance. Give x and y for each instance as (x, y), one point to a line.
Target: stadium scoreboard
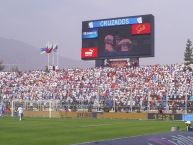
(124, 37)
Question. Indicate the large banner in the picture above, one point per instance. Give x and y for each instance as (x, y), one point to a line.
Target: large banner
(187, 117)
(165, 116)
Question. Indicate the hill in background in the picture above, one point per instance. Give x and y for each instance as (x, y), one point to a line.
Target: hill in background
(27, 57)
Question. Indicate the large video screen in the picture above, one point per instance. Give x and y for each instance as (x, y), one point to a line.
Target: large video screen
(124, 37)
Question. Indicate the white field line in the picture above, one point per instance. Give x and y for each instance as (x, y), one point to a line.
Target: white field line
(109, 139)
(94, 125)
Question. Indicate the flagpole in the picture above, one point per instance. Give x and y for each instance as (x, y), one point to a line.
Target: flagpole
(47, 46)
(57, 58)
(53, 58)
(48, 59)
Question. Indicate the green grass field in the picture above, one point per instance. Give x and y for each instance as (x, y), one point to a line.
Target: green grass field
(45, 131)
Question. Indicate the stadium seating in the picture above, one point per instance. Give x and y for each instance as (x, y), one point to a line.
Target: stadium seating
(145, 86)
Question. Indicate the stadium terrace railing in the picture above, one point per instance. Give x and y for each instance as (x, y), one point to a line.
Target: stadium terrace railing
(171, 106)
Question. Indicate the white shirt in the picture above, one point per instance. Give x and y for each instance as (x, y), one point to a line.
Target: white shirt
(20, 110)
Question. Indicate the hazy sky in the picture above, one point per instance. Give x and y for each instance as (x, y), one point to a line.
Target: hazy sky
(59, 21)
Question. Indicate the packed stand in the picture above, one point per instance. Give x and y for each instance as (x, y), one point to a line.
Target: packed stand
(144, 87)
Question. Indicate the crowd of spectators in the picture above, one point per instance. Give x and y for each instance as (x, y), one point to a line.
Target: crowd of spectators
(147, 87)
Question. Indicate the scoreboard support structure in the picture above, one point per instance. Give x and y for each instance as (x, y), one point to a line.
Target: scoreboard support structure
(100, 63)
(131, 62)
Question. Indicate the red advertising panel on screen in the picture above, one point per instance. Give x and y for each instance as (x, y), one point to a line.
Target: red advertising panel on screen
(89, 52)
(144, 28)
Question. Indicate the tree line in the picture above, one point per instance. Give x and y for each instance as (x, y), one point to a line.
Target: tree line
(188, 54)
